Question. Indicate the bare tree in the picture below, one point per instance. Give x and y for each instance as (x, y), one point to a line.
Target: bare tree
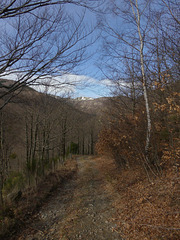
(5, 151)
(173, 9)
(134, 15)
(39, 39)
(12, 8)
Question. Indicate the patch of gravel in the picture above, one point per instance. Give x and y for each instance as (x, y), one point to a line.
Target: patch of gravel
(79, 210)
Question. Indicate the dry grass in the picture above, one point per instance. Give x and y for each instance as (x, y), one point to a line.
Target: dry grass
(144, 210)
(14, 216)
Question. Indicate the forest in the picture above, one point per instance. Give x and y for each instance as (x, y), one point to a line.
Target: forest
(133, 133)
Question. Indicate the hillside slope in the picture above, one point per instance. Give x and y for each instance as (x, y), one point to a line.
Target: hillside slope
(29, 109)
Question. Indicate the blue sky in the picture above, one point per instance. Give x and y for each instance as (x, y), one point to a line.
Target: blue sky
(91, 81)
(94, 88)
(90, 77)
(87, 73)
(93, 91)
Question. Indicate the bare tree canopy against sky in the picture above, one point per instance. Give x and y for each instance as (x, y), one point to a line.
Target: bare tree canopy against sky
(12, 8)
(52, 37)
(129, 31)
(40, 38)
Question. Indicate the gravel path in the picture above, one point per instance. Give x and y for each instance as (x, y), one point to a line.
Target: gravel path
(79, 210)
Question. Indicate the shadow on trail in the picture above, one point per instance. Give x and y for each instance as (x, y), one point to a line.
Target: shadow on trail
(79, 210)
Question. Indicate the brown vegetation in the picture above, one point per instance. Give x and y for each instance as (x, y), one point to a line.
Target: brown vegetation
(147, 203)
(144, 210)
(37, 133)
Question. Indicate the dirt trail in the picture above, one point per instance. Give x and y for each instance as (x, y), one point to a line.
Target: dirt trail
(79, 210)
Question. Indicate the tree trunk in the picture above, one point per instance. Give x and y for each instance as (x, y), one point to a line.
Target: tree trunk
(144, 82)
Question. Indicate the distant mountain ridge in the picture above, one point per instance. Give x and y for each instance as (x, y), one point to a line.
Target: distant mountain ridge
(83, 98)
(87, 105)
(90, 105)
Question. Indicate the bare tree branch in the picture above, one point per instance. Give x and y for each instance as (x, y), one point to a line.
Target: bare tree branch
(170, 10)
(38, 41)
(12, 8)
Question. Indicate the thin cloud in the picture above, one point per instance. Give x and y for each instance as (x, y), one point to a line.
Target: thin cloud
(66, 84)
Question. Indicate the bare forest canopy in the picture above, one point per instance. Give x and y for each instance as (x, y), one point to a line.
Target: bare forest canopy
(49, 124)
(138, 126)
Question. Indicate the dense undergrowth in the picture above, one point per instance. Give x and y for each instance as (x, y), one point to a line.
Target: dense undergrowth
(18, 212)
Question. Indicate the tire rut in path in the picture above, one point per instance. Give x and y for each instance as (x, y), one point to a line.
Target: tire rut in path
(79, 210)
